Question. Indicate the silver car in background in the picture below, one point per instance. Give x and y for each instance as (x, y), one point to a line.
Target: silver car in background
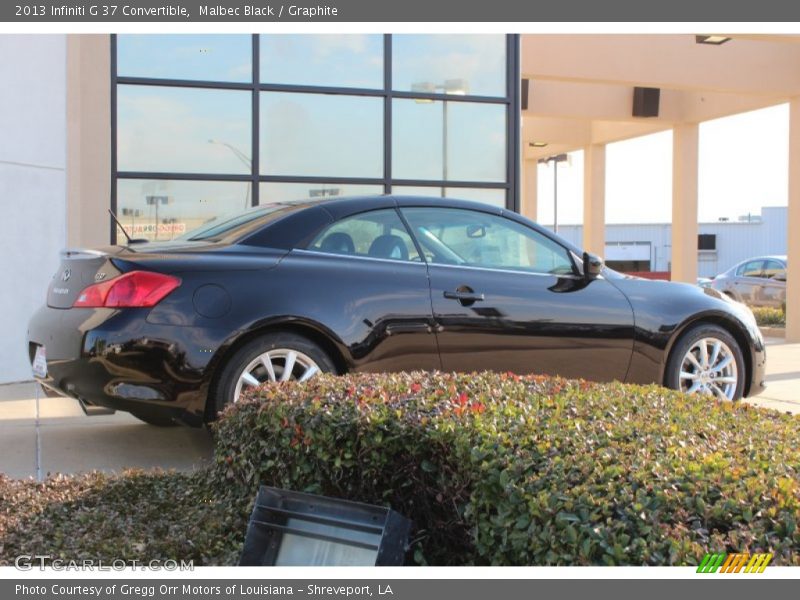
(759, 281)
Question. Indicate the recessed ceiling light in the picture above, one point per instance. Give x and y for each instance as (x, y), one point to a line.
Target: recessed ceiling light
(714, 40)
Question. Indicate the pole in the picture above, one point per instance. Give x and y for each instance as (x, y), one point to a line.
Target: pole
(555, 196)
(444, 143)
(555, 160)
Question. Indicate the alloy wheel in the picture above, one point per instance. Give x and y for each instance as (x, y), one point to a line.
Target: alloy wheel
(709, 367)
(279, 364)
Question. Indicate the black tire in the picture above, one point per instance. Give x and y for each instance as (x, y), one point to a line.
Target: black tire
(692, 336)
(155, 420)
(225, 388)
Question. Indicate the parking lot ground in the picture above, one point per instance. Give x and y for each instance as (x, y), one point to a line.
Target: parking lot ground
(783, 378)
(41, 435)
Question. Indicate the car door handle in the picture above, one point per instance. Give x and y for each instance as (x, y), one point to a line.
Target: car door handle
(464, 296)
(395, 328)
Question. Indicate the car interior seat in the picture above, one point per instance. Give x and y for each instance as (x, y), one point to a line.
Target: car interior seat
(338, 242)
(389, 246)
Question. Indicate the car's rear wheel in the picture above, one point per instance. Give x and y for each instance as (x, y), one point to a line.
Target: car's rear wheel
(707, 360)
(273, 357)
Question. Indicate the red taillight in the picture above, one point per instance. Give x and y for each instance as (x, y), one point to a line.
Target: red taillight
(137, 289)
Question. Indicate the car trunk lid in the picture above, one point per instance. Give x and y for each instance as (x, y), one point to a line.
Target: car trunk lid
(78, 270)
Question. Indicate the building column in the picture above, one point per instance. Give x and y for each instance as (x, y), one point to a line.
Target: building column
(530, 182)
(88, 139)
(684, 202)
(793, 225)
(594, 199)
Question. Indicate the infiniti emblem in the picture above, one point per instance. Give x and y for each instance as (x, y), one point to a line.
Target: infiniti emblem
(66, 274)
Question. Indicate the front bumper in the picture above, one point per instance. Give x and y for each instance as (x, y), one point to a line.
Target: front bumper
(114, 359)
(759, 375)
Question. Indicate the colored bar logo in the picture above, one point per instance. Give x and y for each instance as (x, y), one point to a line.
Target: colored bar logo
(734, 563)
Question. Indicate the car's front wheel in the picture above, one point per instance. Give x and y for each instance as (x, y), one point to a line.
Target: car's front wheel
(707, 360)
(273, 357)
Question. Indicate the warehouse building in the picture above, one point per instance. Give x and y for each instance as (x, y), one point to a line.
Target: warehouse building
(647, 247)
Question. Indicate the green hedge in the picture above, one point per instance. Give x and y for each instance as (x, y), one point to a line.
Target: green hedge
(134, 516)
(493, 469)
(766, 316)
(499, 469)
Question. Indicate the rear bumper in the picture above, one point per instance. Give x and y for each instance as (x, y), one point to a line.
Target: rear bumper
(116, 360)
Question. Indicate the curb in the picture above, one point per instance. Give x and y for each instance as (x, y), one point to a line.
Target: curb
(777, 332)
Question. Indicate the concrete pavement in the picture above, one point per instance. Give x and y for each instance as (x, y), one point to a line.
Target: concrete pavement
(783, 377)
(41, 435)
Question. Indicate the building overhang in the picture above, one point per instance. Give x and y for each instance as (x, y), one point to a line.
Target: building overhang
(581, 87)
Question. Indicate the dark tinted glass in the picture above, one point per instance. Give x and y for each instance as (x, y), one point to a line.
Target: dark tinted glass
(375, 234)
(707, 241)
(241, 223)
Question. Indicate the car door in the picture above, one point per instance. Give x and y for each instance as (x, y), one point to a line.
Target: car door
(509, 298)
(368, 284)
(773, 284)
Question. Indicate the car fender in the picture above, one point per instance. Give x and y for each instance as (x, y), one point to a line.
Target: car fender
(737, 328)
(664, 310)
(314, 330)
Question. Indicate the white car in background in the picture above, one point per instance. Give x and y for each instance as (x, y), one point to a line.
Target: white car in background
(759, 281)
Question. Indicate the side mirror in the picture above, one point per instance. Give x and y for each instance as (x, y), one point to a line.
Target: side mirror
(592, 265)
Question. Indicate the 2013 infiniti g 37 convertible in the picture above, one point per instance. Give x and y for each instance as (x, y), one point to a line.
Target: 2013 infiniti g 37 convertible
(176, 330)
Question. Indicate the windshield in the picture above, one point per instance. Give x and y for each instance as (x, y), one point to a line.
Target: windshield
(237, 224)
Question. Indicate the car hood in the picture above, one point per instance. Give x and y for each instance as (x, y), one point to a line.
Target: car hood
(665, 306)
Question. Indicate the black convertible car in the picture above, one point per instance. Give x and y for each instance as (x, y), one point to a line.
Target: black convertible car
(175, 330)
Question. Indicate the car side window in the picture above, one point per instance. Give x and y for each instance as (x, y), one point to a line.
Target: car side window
(752, 268)
(472, 238)
(772, 268)
(373, 234)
